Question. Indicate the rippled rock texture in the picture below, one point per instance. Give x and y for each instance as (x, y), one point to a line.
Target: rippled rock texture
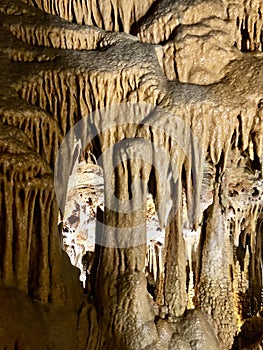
(173, 92)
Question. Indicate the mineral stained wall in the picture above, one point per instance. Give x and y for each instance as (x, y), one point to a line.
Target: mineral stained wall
(174, 91)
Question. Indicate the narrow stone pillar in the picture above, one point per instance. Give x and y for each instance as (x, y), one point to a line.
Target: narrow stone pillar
(175, 263)
(123, 303)
(215, 294)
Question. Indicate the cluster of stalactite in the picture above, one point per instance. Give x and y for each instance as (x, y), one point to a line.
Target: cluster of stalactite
(31, 257)
(249, 24)
(33, 267)
(113, 15)
(55, 75)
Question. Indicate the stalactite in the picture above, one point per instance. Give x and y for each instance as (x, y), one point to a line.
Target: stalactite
(155, 270)
(66, 87)
(42, 131)
(114, 15)
(17, 242)
(247, 17)
(28, 206)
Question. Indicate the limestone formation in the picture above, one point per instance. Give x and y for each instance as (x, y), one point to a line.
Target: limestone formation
(160, 103)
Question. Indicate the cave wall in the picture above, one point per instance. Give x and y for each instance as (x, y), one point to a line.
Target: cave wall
(175, 85)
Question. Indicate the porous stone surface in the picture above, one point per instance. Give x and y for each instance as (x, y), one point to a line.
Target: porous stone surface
(162, 104)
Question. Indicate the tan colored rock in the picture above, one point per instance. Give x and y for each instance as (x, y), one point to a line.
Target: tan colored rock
(197, 99)
(215, 287)
(113, 15)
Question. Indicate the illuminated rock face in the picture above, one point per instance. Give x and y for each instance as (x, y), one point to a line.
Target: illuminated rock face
(174, 95)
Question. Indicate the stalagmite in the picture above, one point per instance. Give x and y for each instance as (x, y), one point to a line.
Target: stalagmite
(215, 290)
(175, 267)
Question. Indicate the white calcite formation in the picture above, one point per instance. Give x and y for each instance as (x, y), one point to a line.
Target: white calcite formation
(169, 97)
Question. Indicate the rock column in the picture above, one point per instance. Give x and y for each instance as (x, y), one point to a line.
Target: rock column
(124, 305)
